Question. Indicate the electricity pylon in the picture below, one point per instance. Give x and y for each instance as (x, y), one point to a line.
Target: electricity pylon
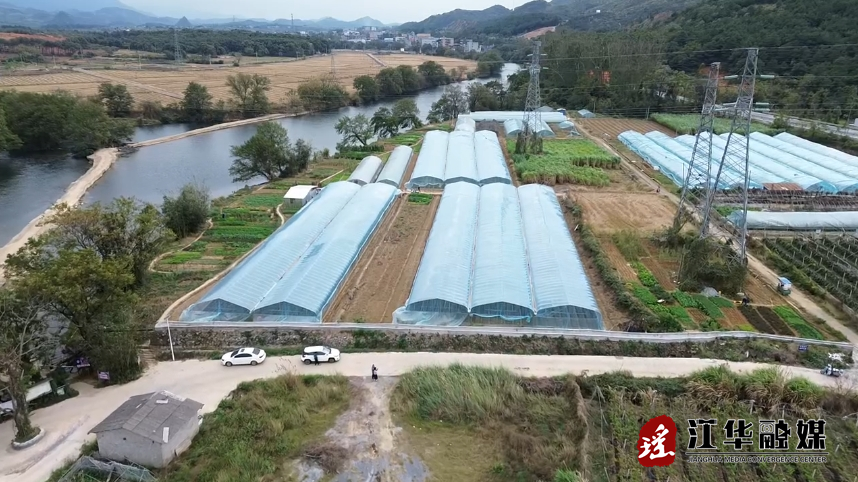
(702, 152)
(177, 54)
(736, 154)
(529, 138)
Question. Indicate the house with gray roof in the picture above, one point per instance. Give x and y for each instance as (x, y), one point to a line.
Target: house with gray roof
(149, 429)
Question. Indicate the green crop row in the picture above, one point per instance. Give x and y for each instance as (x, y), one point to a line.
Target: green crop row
(182, 257)
(708, 307)
(419, 198)
(534, 171)
(644, 294)
(797, 323)
(688, 124)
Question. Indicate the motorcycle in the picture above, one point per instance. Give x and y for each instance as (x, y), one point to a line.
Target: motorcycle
(831, 372)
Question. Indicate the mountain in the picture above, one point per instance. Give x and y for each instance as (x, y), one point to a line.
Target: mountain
(184, 23)
(594, 15)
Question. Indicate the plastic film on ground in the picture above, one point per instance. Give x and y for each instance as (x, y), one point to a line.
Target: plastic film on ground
(730, 177)
(235, 296)
(671, 165)
(843, 176)
(798, 221)
(443, 279)
(461, 159)
(818, 148)
(431, 162)
(306, 291)
(367, 171)
(561, 291)
(491, 163)
(500, 285)
(396, 165)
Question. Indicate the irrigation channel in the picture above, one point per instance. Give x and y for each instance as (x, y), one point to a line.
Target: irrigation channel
(30, 185)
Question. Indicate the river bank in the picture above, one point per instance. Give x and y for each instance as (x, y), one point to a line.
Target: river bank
(101, 162)
(216, 127)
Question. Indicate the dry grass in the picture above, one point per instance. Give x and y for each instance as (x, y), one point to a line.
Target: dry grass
(284, 76)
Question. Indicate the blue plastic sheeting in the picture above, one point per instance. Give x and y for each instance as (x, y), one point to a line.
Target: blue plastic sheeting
(431, 162)
(758, 175)
(235, 296)
(396, 166)
(500, 283)
(729, 176)
(367, 171)
(443, 279)
(843, 176)
(305, 293)
(667, 163)
(465, 124)
(461, 159)
(491, 163)
(561, 291)
(841, 156)
(799, 221)
(786, 173)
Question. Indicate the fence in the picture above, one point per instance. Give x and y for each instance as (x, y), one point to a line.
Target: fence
(90, 469)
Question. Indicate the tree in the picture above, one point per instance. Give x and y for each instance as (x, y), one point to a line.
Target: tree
(367, 88)
(116, 98)
(357, 129)
(196, 103)
(8, 140)
(187, 213)
(433, 73)
(407, 114)
(250, 92)
(88, 129)
(410, 79)
(390, 82)
(151, 109)
(24, 342)
(383, 123)
(453, 102)
(322, 93)
(269, 154)
(489, 64)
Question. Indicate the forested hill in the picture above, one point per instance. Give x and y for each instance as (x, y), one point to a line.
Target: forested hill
(588, 15)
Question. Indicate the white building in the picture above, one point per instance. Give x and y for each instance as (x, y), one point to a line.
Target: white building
(446, 41)
(300, 195)
(471, 46)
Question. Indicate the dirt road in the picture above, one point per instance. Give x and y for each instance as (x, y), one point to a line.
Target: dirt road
(101, 162)
(208, 382)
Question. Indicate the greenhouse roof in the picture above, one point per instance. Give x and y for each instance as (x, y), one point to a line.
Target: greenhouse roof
(366, 171)
(461, 162)
(502, 116)
(491, 163)
(466, 124)
(842, 175)
(431, 162)
(396, 165)
(666, 162)
(308, 288)
(798, 221)
(729, 176)
(513, 126)
(818, 148)
(443, 278)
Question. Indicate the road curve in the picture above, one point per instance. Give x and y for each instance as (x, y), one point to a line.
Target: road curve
(208, 382)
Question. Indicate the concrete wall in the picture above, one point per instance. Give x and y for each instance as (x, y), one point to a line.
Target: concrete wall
(123, 446)
(180, 441)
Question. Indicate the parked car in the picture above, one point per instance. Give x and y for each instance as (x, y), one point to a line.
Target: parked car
(325, 354)
(243, 356)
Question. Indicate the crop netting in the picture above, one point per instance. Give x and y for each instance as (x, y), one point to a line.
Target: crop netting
(88, 469)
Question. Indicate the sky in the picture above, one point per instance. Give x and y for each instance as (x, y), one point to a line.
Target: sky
(387, 11)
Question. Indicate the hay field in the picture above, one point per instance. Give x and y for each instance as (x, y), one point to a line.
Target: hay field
(151, 83)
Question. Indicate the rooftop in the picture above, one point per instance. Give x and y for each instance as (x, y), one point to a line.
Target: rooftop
(298, 192)
(148, 415)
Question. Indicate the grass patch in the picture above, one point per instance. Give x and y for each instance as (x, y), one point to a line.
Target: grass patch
(629, 244)
(554, 166)
(420, 198)
(705, 304)
(182, 257)
(688, 124)
(197, 247)
(262, 200)
(265, 425)
(797, 323)
(406, 139)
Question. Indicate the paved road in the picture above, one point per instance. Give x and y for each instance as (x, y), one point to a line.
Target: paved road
(208, 382)
(849, 131)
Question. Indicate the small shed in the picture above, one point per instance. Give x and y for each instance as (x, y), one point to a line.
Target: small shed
(782, 186)
(300, 195)
(367, 171)
(149, 429)
(586, 114)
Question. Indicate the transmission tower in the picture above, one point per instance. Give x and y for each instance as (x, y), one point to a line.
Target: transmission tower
(333, 65)
(532, 115)
(702, 145)
(177, 54)
(736, 153)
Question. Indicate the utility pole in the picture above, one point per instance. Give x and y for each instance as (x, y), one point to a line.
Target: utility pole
(177, 54)
(702, 146)
(528, 139)
(736, 152)
(293, 22)
(333, 64)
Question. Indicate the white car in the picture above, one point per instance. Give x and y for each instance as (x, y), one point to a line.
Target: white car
(243, 356)
(325, 354)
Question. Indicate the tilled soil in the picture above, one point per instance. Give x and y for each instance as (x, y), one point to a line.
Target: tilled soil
(608, 212)
(613, 127)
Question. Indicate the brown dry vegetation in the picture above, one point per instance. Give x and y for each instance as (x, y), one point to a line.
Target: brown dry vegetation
(47, 38)
(613, 127)
(607, 212)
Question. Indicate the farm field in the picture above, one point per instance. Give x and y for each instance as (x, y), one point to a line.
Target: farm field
(284, 76)
(381, 280)
(572, 161)
(608, 212)
(613, 127)
(688, 123)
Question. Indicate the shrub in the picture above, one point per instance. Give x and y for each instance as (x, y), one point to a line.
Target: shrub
(187, 213)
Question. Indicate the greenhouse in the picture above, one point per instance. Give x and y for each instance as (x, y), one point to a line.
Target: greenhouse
(235, 296)
(843, 176)
(668, 164)
(758, 176)
(513, 127)
(500, 279)
(757, 160)
(431, 162)
(798, 221)
(396, 166)
(443, 279)
(367, 171)
(729, 176)
(503, 116)
(491, 163)
(461, 163)
(841, 156)
(305, 292)
(562, 296)
(465, 124)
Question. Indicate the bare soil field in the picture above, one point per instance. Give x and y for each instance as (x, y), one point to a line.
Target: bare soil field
(381, 281)
(284, 76)
(11, 36)
(613, 127)
(608, 212)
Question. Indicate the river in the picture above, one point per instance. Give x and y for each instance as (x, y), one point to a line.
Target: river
(28, 186)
